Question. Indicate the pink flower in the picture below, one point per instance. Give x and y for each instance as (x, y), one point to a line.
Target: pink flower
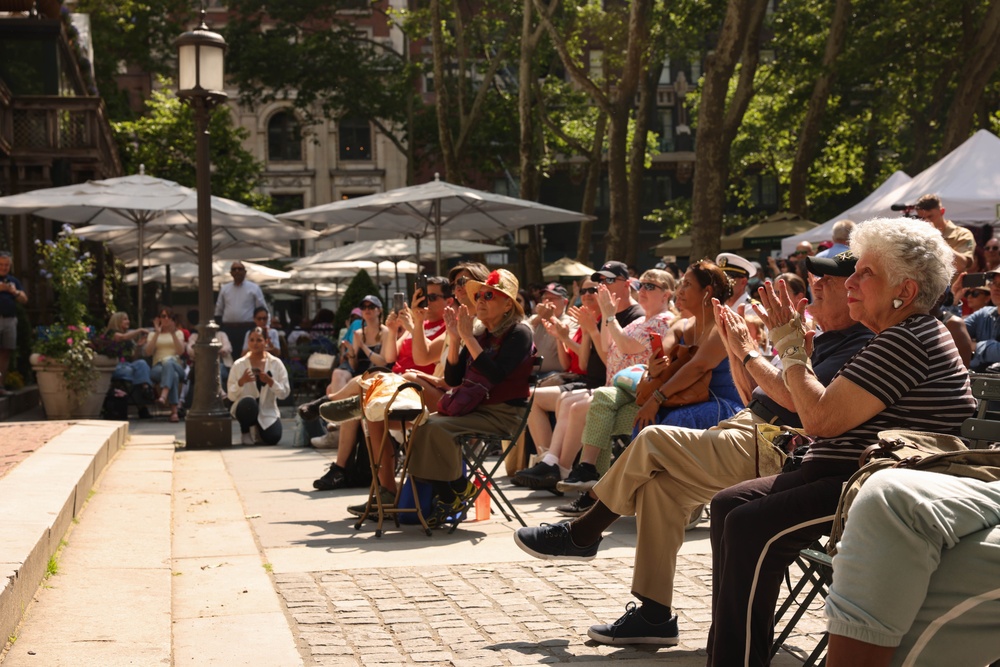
(41, 357)
(69, 341)
(71, 327)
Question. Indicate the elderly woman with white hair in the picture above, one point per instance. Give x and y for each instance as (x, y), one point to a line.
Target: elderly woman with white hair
(908, 376)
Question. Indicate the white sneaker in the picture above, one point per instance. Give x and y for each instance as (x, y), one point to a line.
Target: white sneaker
(328, 441)
(247, 439)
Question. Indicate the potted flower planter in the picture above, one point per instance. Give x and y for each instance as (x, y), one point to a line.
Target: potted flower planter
(58, 402)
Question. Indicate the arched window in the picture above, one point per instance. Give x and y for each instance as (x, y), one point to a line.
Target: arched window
(284, 137)
(355, 139)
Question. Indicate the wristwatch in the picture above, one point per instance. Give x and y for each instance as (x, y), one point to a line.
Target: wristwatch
(795, 349)
(752, 354)
(609, 320)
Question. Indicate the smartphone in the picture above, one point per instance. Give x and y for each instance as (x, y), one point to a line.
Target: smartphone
(974, 280)
(398, 301)
(656, 343)
(421, 284)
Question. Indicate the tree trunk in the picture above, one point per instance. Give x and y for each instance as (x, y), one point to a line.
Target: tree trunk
(441, 98)
(982, 61)
(590, 189)
(528, 144)
(809, 133)
(637, 158)
(717, 124)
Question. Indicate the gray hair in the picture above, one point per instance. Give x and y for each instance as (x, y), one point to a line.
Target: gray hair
(841, 231)
(905, 250)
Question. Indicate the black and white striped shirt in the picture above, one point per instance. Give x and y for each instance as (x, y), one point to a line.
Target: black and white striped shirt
(914, 368)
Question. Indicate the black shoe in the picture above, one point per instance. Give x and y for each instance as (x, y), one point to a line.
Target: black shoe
(583, 477)
(578, 506)
(552, 541)
(632, 628)
(539, 476)
(335, 478)
(453, 512)
(388, 500)
(144, 412)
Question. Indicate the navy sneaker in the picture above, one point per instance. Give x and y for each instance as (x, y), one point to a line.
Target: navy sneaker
(632, 628)
(578, 507)
(552, 541)
(583, 477)
(540, 476)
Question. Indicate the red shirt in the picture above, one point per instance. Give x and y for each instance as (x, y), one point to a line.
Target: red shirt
(404, 350)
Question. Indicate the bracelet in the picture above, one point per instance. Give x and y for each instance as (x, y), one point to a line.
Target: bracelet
(660, 398)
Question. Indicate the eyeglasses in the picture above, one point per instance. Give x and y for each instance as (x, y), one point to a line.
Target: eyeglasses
(588, 290)
(649, 287)
(488, 295)
(368, 306)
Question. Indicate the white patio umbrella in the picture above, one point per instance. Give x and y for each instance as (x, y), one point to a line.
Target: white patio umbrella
(185, 274)
(135, 200)
(568, 268)
(334, 270)
(437, 208)
(393, 250)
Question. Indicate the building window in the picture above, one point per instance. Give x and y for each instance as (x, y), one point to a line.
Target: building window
(355, 139)
(665, 122)
(665, 72)
(284, 138)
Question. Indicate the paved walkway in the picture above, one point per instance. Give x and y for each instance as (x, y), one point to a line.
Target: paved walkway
(201, 557)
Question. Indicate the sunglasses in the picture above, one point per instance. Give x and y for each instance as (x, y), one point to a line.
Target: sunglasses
(434, 297)
(488, 295)
(368, 306)
(460, 282)
(978, 293)
(609, 281)
(649, 287)
(588, 290)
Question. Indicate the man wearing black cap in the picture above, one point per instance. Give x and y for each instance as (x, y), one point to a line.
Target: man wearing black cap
(615, 276)
(553, 305)
(667, 472)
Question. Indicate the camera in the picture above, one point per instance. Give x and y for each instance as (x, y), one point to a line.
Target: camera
(421, 284)
(907, 209)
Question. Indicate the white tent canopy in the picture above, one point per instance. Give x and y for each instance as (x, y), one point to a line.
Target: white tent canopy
(824, 231)
(185, 274)
(967, 179)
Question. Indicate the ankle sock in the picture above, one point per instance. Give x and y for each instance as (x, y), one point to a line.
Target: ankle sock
(564, 472)
(550, 460)
(654, 612)
(588, 528)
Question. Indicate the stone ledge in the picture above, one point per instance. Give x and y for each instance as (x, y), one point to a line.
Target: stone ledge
(38, 501)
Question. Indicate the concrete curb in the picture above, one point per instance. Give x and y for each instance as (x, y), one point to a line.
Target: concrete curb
(38, 500)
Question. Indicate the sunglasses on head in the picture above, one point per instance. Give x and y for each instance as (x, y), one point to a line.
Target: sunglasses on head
(368, 306)
(588, 290)
(487, 295)
(649, 287)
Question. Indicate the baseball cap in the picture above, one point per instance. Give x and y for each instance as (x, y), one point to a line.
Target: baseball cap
(611, 270)
(735, 266)
(557, 289)
(841, 265)
(372, 299)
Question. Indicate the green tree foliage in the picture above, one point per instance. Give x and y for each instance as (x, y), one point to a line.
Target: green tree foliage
(361, 286)
(133, 33)
(164, 141)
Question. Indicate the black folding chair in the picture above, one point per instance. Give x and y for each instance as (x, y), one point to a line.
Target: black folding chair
(478, 447)
(984, 428)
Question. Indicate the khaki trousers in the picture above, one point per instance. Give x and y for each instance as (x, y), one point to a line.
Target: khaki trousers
(663, 475)
(434, 453)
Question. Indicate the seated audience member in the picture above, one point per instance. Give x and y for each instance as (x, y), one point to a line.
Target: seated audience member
(917, 574)
(524, 300)
(300, 332)
(667, 472)
(739, 270)
(258, 380)
(614, 411)
(323, 327)
(272, 339)
(984, 328)
(166, 346)
(427, 345)
(366, 348)
(499, 352)
(909, 376)
(553, 307)
(572, 407)
(129, 369)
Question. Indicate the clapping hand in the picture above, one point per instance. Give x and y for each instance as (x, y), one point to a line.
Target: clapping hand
(584, 318)
(607, 301)
(555, 328)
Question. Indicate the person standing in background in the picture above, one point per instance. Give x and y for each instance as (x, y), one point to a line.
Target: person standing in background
(11, 294)
(235, 306)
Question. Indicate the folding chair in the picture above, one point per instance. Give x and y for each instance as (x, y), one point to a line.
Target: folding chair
(817, 574)
(477, 447)
(381, 510)
(983, 429)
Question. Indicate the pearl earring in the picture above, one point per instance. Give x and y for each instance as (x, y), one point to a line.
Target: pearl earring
(897, 303)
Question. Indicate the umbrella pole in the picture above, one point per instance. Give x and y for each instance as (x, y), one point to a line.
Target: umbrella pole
(437, 236)
(142, 245)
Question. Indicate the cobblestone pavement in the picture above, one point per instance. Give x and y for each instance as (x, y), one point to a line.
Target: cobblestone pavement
(493, 614)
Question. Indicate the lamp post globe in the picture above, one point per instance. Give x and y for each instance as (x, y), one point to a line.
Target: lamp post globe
(201, 83)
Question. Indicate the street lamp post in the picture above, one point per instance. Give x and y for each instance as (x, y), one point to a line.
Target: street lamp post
(522, 239)
(200, 84)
